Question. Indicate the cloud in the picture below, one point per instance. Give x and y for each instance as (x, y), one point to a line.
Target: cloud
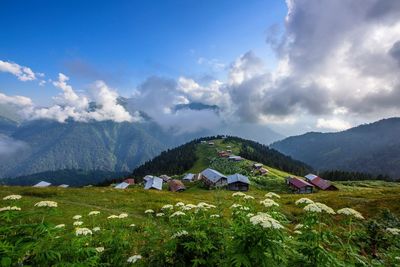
(10, 146)
(214, 63)
(15, 100)
(21, 72)
(333, 124)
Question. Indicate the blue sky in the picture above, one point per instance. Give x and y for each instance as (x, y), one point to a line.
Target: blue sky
(127, 42)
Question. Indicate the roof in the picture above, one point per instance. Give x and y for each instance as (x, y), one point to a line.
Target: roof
(176, 185)
(299, 183)
(311, 176)
(212, 175)
(238, 178)
(321, 183)
(147, 177)
(154, 182)
(63, 185)
(42, 184)
(257, 165)
(263, 170)
(130, 181)
(189, 176)
(235, 157)
(122, 185)
(165, 177)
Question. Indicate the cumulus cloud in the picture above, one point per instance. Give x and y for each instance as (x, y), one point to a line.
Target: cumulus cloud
(15, 100)
(333, 124)
(21, 72)
(10, 146)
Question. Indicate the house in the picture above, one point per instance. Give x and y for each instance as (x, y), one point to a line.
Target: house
(263, 171)
(130, 181)
(203, 142)
(42, 184)
(257, 166)
(122, 185)
(213, 178)
(299, 186)
(320, 183)
(229, 151)
(238, 182)
(176, 186)
(165, 178)
(154, 183)
(235, 158)
(223, 154)
(147, 177)
(228, 146)
(63, 185)
(189, 177)
(211, 143)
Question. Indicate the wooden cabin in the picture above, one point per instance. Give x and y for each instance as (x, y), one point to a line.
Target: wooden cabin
(176, 186)
(299, 186)
(212, 178)
(320, 183)
(238, 182)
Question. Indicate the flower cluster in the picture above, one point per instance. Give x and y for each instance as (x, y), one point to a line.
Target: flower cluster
(149, 211)
(269, 203)
(10, 208)
(238, 194)
(78, 223)
(272, 195)
(167, 207)
(121, 216)
(59, 226)
(214, 216)
(160, 214)
(95, 212)
(351, 212)
(100, 249)
(393, 231)
(266, 221)
(180, 233)
(313, 208)
(12, 197)
(47, 203)
(305, 201)
(83, 231)
(177, 213)
(180, 204)
(134, 258)
(77, 217)
(96, 229)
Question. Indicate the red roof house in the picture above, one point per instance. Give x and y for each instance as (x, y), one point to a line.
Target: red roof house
(129, 181)
(299, 186)
(323, 184)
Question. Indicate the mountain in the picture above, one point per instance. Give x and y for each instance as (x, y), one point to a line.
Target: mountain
(371, 148)
(7, 126)
(195, 156)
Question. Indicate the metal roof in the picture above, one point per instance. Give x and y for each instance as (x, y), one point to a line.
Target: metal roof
(147, 177)
(212, 175)
(154, 182)
(238, 178)
(176, 185)
(122, 185)
(63, 185)
(189, 176)
(42, 184)
(299, 183)
(322, 183)
(311, 176)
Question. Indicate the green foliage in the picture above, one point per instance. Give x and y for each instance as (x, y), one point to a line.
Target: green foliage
(351, 176)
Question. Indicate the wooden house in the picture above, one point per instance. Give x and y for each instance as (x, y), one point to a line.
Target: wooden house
(212, 178)
(154, 183)
(176, 186)
(320, 183)
(42, 184)
(122, 185)
(238, 182)
(130, 181)
(235, 158)
(190, 177)
(257, 166)
(299, 186)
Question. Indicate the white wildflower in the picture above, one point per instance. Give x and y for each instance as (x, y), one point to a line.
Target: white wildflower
(297, 232)
(77, 223)
(100, 249)
(325, 208)
(205, 205)
(47, 203)
(95, 212)
(351, 212)
(250, 215)
(304, 200)
(96, 229)
(180, 204)
(59, 226)
(234, 206)
(313, 208)
(122, 215)
(149, 211)
(12, 197)
(244, 208)
(167, 207)
(77, 217)
(160, 214)
(266, 221)
(238, 194)
(299, 226)
(10, 208)
(393, 231)
(272, 195)
(248, 197)
(179, 234)
(214, 216)
(134, 258)
(113, 217)
(132, 225)
(83, 231)
(269, 203)
(177, 213)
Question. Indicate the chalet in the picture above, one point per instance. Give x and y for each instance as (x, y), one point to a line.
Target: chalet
(42, 184)
(165, 178)
(190, 177)
(211, 143)
(257, 166)
(299, 186)
(263, 171)
(238, 182)
(213, 178)
(63, 185)
(223, 154)
(235, 158)
(122, 185)
(320, 183)
(154, 183)
(176, 186)
(130, 181)
(147, 177)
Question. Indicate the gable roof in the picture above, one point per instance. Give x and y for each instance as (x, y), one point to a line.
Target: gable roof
(154, 182)
(147, 177)
(189, 176)
(130, 181)
(322, 183)
(122, 185)
(238, 178)
(63, 185)
(176, 185)
(311, 176)
(299, 183)
(42, 184)
(212, 175)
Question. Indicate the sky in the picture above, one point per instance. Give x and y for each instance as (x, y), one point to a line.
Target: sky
(292, 66)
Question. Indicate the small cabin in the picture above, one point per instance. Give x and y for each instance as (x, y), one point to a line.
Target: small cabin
(165, 178)
(212, 178)
(190, 177)
(130, 181)
(263, 171)
(211, 143)
(223, 154)
(320, 183)
(238, 182)
(122, 185)
(154, 183)
(42, 184)
(299, 186)
(257, 166)
(176, 186)
(235, 158)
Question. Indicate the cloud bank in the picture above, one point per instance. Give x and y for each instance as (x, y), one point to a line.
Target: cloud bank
(21, 72)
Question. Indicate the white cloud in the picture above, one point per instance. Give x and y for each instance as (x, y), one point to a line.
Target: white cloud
(333, 124)
(9, 146)
(214, 63)
(21, 72)
(15, 100)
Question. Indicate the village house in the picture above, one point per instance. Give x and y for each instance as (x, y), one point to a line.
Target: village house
(263, 171)
(165, 178)
(176, 186)
(63, 185)
(130, 181)
(299, 186)
(211, 143)
(238, 182)
(122, 185)
(320, 183)
(154, 183)
(213, 178)
(42, 184)
(223, 154)
(257, 166)
(190, 177)
(235, 158)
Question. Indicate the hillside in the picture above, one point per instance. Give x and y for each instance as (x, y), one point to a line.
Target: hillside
(370, 148)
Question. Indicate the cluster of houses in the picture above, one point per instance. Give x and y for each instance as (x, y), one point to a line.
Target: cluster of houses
(47, 184)
(308, 184)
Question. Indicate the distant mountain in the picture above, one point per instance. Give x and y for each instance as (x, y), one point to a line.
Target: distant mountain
(7, 126)
(370, 148)
(69, 177)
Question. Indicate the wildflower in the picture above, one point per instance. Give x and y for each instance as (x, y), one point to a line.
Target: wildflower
(149, 211)
(204, 205)
(95, 212)
(234, 206)
(299, 226)
(10, 208)
(269, 203)
(132, 225)
(297, 232)
(313, 208)
(266, 221)
(96, 229)
(83, 231)
(167, 207)
(250, 215)
(77, 217)
(248, 197)
(59, 226)
(100, 249)
(12, 197)
(244, 208)
(350, 212)
(134, 258)
(214, 216)
(180, 233)
(47, 203)
(189, 207)
(177, 213)
(180, 204)
(77, 223)
(113, 217)
(304, 200)
(238, 194)
(393, 231)
(160, 214)
(325, 208)
(272, 195)
(122, 215)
